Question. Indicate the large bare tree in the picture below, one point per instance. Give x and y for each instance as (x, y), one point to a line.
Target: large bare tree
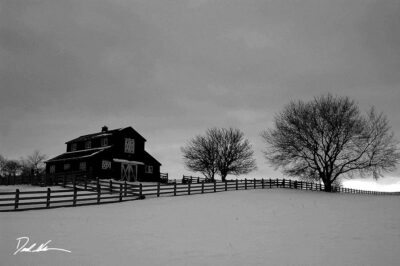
(200, 155)
(223, 151)
(328, 139)
(34, 162)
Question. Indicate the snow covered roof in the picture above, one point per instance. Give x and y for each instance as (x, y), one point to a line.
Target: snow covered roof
(78, 154)
(101, 134)
(93, 135)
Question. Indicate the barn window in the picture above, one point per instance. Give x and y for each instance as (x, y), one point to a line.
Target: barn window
(105, 165)
(82, 166)
(52, 169)
(129, 145)
(104, 142)
(88, 144)
(67, 166)
(149, 169)
(73, 147)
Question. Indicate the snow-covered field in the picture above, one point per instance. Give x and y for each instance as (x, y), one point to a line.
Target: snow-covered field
(253, 227)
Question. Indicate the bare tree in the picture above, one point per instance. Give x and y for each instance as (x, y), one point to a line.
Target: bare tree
(34, 162)
(200, 155)
(222, 151)
(11, 167)
(2, 164)
(235, 154)
(328, 138)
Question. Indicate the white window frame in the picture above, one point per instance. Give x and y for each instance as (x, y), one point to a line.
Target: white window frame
(74, 146)
(82, 166)
(148, 169)
(129, 145)
(105, 165)
(52, 169)
(88, 144)
(104, 142)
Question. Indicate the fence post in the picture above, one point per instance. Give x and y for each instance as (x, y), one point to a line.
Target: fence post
(74, 198)
(215, 185)
(126, 188)
(98, 190)
(175, 189)
(237, 184)
(277, 183)
(48, 198)
(141, 191)
(198, 180)
(158, 189)
(85, 183)
(262, 183)
(226, 186)
(120, 192)
(202, 187)
(295, 184)
(245, 183)
(254, 183)
(189, 188)
(111, 186)
(98, 196)
(16, 198)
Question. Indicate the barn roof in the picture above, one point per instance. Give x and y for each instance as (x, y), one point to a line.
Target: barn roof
(74, 155)
(149, 157)
(101, 134)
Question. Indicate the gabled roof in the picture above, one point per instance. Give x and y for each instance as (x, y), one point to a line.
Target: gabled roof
(102, 134)
(74, 155)
(149, 157)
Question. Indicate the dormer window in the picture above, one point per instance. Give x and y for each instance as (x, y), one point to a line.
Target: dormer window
(129, 145)
(73, 147)
(104, 142)
(88, 144)
(67, 166)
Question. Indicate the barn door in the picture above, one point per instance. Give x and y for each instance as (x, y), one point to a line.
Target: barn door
(128, 172)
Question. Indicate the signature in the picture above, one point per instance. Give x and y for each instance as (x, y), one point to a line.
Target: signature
(22, 246)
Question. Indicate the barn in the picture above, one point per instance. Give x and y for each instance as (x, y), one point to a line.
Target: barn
(119, 154)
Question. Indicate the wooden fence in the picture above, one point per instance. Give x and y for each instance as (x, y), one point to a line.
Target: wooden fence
(107, 191)
(194, 179)
(22, 179)
(54, 179)
(78, 194)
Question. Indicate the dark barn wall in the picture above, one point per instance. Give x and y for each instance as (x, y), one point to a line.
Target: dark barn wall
(117, 151)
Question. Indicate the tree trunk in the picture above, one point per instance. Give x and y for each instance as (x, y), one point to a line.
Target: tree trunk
(223, 178)
(328, 186)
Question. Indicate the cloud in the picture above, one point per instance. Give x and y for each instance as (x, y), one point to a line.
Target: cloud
(251, 39)
(173, 69)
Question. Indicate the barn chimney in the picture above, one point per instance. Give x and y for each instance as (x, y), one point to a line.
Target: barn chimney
(104, 129)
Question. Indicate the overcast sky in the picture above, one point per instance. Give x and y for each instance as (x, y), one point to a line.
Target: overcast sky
(172, 69)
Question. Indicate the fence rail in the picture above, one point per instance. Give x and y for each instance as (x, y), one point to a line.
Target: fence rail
(78, 193)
